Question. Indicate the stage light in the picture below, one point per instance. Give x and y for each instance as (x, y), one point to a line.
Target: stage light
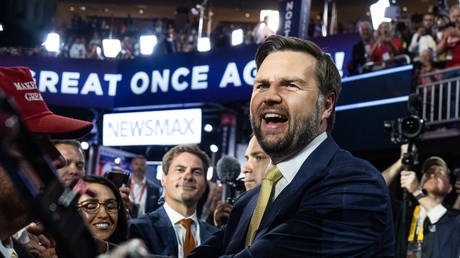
(237, 37)
(52, 42)
(214, 148)
(1, 27)
(208, 128)
(273, 18)
(117, 161)
(84, 145)
(111, 47)
(147, 44)
(204, 44)
(378, 13)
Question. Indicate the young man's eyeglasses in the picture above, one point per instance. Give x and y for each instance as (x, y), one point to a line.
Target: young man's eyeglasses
(92, 206)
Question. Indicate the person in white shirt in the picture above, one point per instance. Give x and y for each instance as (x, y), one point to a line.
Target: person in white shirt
(262, 31)
(174, 228)
(424, 38)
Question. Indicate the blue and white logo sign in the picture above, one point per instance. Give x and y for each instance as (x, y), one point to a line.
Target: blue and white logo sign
(169, 127)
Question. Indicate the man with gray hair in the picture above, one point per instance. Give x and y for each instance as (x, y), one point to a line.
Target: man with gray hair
(316, 199)
(360, 49)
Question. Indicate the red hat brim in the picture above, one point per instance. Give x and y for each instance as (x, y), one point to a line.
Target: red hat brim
(59, 127)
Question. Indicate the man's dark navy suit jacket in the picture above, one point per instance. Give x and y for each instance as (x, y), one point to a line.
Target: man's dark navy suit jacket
(336, 206)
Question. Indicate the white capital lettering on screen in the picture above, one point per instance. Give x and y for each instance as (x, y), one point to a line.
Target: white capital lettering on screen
(160, 81)
(230, 76)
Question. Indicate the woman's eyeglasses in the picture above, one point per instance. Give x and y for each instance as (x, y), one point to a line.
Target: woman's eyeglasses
(92, 206)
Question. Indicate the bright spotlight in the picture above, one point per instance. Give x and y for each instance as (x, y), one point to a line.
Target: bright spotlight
(378, 13)
(237, 37)
(208, 128)
(214, 148)
(84, 145)
(1, 27)
(117, 161)
(111, 47)
(273, 18)
(147, 44)
(210, 173)
(52, 42)
(204, 44)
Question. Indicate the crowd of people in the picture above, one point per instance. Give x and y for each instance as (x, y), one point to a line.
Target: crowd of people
(434, 33)
(306, 197)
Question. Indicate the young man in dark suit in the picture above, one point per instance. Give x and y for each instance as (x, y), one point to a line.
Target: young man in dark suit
(316, 199)
(174, 228)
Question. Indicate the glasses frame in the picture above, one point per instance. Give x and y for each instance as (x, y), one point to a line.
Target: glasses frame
(82, 205)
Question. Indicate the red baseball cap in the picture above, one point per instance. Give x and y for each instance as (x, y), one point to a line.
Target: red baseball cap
(18, 84)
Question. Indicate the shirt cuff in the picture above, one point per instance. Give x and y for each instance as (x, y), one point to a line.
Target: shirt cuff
(436, 213)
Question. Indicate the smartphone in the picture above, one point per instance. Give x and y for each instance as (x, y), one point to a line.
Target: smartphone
(118, 178)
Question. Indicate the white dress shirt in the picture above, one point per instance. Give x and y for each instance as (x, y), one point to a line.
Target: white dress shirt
(175, 219)
(433, 215)
(136, 197)
(289, 168)
(6, 248)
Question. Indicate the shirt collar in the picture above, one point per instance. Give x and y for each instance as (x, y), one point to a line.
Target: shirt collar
(141, 184)
(289, 168)
(175, 216)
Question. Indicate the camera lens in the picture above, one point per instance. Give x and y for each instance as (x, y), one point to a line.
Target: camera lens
(411, 126)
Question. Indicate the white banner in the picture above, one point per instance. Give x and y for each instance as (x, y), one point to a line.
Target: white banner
(168, 127)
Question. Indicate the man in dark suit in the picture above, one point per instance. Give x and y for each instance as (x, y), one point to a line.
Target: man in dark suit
(143, 193)
(316, 199)
(174, 228)
(360, 49)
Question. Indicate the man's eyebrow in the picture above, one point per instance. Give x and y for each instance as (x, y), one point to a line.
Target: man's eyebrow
(290, 80)
(283, 80)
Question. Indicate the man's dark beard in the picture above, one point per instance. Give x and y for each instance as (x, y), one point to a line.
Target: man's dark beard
(296, 139)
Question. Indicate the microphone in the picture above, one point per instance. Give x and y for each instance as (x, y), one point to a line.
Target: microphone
(228, 169)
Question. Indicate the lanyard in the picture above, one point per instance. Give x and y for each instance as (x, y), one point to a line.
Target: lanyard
(142, 192)
(413, 226)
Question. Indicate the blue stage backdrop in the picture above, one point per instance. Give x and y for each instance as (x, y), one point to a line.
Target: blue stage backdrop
(221, 75)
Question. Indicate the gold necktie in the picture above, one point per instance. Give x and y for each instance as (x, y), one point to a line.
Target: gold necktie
(271, 177)
(189, 241)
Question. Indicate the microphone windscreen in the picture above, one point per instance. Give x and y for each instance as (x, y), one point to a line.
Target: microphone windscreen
(228, 169)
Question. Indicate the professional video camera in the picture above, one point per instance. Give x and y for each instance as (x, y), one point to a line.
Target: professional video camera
(408, 128)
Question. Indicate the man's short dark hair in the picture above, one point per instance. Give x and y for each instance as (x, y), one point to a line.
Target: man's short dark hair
(74, 143)
(190, 148)
(327, 76)
(138, 157)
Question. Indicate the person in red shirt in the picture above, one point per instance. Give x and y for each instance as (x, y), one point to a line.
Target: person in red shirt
(449, 42)
(385, 46)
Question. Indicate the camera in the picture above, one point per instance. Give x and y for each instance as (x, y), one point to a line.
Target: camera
(408, 128)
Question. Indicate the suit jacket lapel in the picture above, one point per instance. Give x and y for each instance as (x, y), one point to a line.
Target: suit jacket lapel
(242, 222)
(166, 231)
(309, 171)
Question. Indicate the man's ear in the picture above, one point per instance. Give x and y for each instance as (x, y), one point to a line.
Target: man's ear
(163, 177)
(328, 105)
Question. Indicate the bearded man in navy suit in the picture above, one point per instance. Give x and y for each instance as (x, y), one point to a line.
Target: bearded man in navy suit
(321, 201)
